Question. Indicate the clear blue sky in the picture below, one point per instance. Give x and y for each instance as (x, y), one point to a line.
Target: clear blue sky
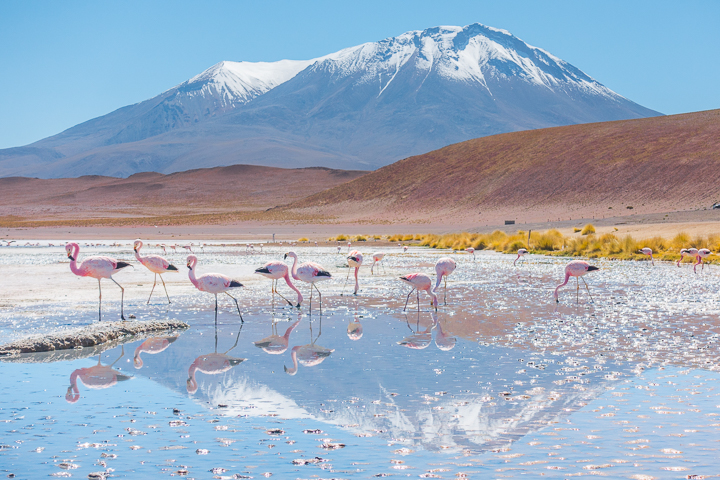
(64, 62)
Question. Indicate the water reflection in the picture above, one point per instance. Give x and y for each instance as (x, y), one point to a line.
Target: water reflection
(419, 339)
(443, 340)
(152, 346)
(213, 363)
(95, 377)
(276, 344)
(309, 355)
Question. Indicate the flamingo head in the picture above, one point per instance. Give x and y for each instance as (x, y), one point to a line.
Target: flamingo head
(191, 261)
(137, 362)
(191, 385)
(70, 396)
(291, 254)
(354, 330)
(70, 249)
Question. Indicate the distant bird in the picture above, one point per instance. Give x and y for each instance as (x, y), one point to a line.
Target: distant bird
(405, 248)
(701, 254)
(354, 260)
(152, 346)
(276, 344)
(471, 250)
(444, 267)
(419, 281)
(308, 272)
(521, 253)
(212, 363)
(173, 246)
(648, 251)
(339, 248)
(95, 377)
(276, 270)
(188, 247)
(213, 283)
(156, 264)
(349, 244)
(576, 268)
(377, 258)
(97, 267)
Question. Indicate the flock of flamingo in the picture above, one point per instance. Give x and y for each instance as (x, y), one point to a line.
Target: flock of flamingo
(100, 267)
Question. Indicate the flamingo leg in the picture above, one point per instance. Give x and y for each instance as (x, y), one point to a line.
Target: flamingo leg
(237, 305)
(166, 294)
(407, 299)
(237, 337)
(319, 295)
(100, 302)
(383, 265)
(371, 268)
(577, 297)
(153, 289)
(418, 299)
(216, 322)
(281, 295)
(445, 295)
(122, 299)
(588, 290)
(122, 354)
(345, 284)
(311, 294)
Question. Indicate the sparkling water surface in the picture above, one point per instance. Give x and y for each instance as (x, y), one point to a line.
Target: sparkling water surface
(500, 383)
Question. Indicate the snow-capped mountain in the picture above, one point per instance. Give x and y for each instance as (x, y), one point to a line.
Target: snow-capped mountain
(361, 107)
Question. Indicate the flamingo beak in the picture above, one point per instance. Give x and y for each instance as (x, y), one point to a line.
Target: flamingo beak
(285, 256)
(592, 268)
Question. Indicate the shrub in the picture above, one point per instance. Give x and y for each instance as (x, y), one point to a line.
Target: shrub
(360, 238)
(303, 239)
(341, 238)
(588, 229)
(576, 230)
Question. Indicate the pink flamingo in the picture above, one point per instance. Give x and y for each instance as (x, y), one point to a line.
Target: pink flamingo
(308, 272)
(276, 270)
(648, 251)
(188, 247)
(701, 254)
(173, 246)
(405, 248)
(377, 258)
(212, 363)
(576, 268)
(419, 281)
(276, 344)
(95, 377)
(156, 264)
(152, 346)
(521, 253)
(97, 267)
(419, 340)
(339, 248)
(444, 267)
(349, 244)
(213, 283)
(471, 250)
(691, 252)
(354, 260)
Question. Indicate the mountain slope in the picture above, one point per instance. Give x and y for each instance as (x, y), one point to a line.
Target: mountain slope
(669, 163)
(364, 106)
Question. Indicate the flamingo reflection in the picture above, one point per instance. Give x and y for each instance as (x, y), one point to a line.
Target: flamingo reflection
(152, 346)
(95, 377)
(443, 340)
(213, 363)
(419, 339)
(276, 344)
(308, 355)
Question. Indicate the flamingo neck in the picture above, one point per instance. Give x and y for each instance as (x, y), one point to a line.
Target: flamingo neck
(293, 355)
(290, 284)
(137, 253)
(73, 261)
(357, 284)
(191, 275)
(433, 296)
(289, 330)
(439, 279)
(294, 268)
(567, 278)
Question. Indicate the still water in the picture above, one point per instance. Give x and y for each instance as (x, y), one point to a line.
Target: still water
(499, 383)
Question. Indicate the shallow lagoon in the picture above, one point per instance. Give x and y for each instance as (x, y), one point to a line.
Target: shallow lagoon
(502, 383)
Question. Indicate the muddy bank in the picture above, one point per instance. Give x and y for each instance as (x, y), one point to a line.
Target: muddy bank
(88, 336)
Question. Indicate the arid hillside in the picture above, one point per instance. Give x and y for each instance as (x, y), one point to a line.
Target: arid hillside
(610, 169)
(218, 190)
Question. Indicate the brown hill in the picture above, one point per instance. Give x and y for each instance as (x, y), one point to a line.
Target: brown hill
(658, 164)
(245, 188)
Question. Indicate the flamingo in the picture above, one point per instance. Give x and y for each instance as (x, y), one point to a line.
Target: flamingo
(96, 267)
(648, 251)
(444, 267)
(471, 250)
(354, 260)
(173, 246)
(691, 252)
(308, 272)
(339, 248)
(419, 281)
(152, 346)
(95, 377)
(701, 254)
(156, 264)
(308, 355)
(355, 329)
(212, 363)
(276, 344)
(405, 248)
(377, 258)
(576, 268)
(213, 283)
(349, 244)
(521, 253)
(188, 247)
(276, 270)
